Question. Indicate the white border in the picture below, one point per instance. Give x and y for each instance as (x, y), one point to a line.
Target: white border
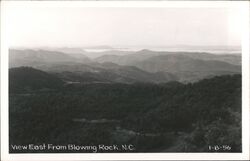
(126, 156)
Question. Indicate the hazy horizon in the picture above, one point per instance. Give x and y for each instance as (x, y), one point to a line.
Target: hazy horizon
(97, 51)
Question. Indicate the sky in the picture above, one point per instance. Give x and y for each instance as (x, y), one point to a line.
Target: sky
(31, 26)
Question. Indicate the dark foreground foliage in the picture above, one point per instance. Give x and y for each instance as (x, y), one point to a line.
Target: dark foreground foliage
(169, 117)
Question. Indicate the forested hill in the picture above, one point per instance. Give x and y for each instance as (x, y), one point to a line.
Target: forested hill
(24, 79)
(153, 117)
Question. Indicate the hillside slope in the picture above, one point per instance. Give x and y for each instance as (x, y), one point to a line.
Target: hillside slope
(152, 117)
(25, 79)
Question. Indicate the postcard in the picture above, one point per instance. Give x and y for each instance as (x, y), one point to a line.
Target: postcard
(124, 80)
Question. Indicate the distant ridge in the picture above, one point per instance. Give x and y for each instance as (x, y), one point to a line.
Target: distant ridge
(24, 79)
(128, 66)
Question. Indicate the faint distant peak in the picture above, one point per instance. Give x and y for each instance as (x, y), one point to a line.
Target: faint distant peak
(98, 47)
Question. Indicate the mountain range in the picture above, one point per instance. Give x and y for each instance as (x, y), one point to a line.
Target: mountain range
(127, 66)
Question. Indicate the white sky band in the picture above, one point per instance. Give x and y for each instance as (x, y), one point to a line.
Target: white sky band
(38, 24)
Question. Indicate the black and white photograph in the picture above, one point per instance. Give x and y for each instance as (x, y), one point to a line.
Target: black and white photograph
(91, 79)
